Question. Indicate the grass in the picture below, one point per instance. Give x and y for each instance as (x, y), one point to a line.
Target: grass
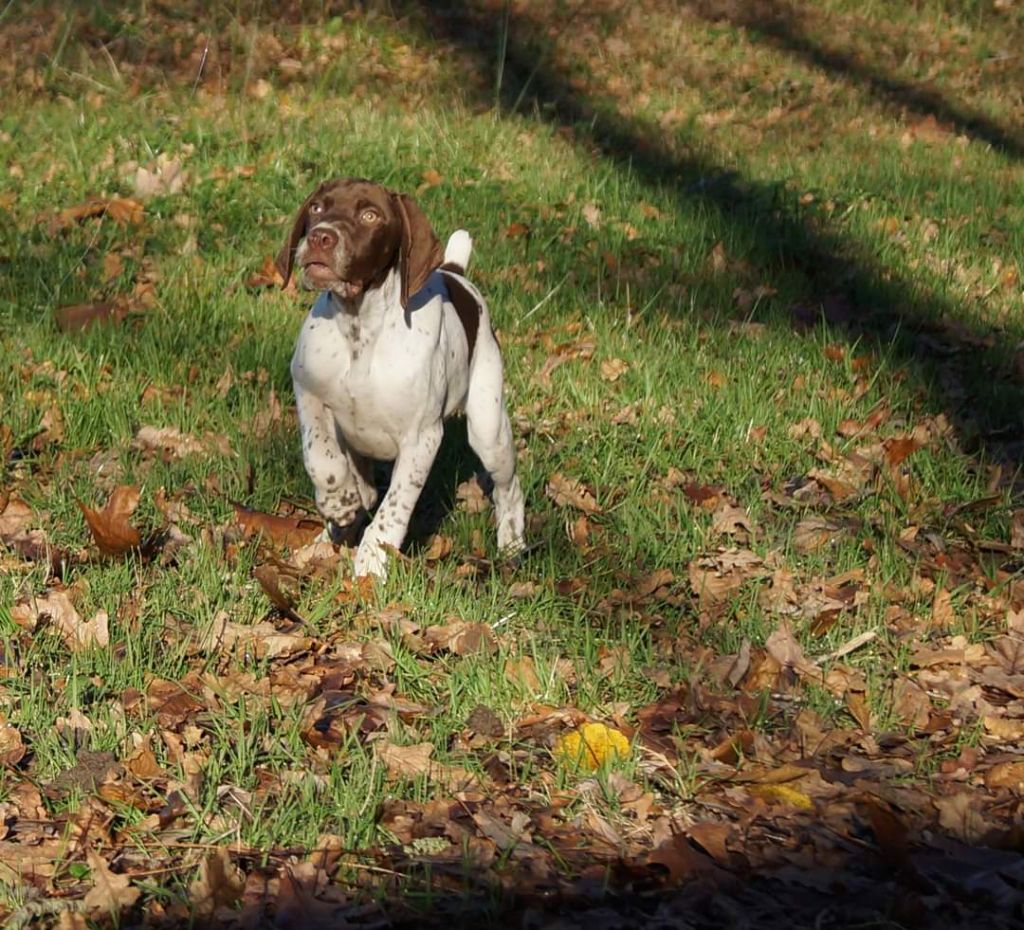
(693, 259)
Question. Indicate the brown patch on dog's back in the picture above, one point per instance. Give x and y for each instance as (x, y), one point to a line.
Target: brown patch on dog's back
(467, 308)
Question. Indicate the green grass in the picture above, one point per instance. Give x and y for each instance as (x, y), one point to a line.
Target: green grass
(921, 235)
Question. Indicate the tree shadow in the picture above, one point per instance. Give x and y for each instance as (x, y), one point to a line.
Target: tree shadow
(964, 368)
(780, 23)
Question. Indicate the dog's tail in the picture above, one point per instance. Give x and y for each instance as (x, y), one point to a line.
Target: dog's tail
(457, 252)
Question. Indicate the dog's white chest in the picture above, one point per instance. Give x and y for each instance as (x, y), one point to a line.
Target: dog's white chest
(361, 377)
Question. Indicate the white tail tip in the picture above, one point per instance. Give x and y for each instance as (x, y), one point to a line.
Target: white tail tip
(458, 249)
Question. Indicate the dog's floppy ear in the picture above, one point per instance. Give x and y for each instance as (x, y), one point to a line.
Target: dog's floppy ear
(286, 257)
(420, 252)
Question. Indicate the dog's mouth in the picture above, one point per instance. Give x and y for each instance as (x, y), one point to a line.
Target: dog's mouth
(320, 275)
(319, 272)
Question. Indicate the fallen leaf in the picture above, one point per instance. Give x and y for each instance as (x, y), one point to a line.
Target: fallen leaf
(288, 532)
(717, 578)
(440, 547)
(122, 210)
(782, 646)
(730, 520)
(267, 276)
(220, 883)
(262, 640)
(14, 517)
(813, 533)
(806, 427)
(430, 178)
(76, 317)
(613, 368)
(166, 177)
(1003, 728)
(461, 638)
(111, 530)
(172, 444)
(110, 893)
(412, 762)
(1017, 529)
(55, 607)
(570, 492)
(471, 497)
(505, 836)
(521, 672)
(12, 749)
(516, 230)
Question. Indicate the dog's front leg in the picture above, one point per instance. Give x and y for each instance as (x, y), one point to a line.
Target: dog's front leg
(336, 483)
(391, 523)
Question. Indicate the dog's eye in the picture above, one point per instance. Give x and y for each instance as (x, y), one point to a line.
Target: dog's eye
(316, 208)
(369, 216)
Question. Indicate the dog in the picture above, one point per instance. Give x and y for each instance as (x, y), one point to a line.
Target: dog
(397, 341)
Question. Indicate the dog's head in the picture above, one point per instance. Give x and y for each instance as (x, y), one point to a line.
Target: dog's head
(350, 233)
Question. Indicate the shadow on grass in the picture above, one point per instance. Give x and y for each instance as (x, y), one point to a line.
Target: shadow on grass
(962, 368)
(780, 23)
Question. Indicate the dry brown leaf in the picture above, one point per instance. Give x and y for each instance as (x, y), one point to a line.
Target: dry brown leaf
(430, 178)
(15, 515)
(412, 762)
(806, 427)
(262, 640)
(516, 230)
(503, 835)
(715, 579)
(220, 883)
(613, 368)
(943, 615)
(837, 487)
(783, 647)
(55, 607)
(111, 530)
(110, 893)
(813, 533)
(51, 429)
(113, 266)
(1004, 728)
(471, 497)
(521, 672)
(12, 749)
(462, 638)
(122, 210)
(570, 492)
(1006, 775)
(288, 532)
(961, 815)
(166, 177)
(900, 448)
(170, 443)
(730, 520)
(647, 585)
(76, 317)
(141, 762)
(440, 548)
(1017, 529)
(267, 276)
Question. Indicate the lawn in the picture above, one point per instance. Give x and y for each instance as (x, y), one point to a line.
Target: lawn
(756, 272)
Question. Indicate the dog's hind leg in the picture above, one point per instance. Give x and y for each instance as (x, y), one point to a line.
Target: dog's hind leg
(490, 436)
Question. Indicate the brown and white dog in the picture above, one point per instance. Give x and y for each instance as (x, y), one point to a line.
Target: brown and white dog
(397, 341)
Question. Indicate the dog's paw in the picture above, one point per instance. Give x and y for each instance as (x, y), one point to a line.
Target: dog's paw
(371, 559)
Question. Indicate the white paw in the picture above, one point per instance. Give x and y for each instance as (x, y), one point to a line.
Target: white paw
(371, 559)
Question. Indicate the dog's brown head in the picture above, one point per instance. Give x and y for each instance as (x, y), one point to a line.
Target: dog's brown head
(350, 233)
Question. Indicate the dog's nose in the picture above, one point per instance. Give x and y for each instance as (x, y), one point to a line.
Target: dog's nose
(323, 239)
